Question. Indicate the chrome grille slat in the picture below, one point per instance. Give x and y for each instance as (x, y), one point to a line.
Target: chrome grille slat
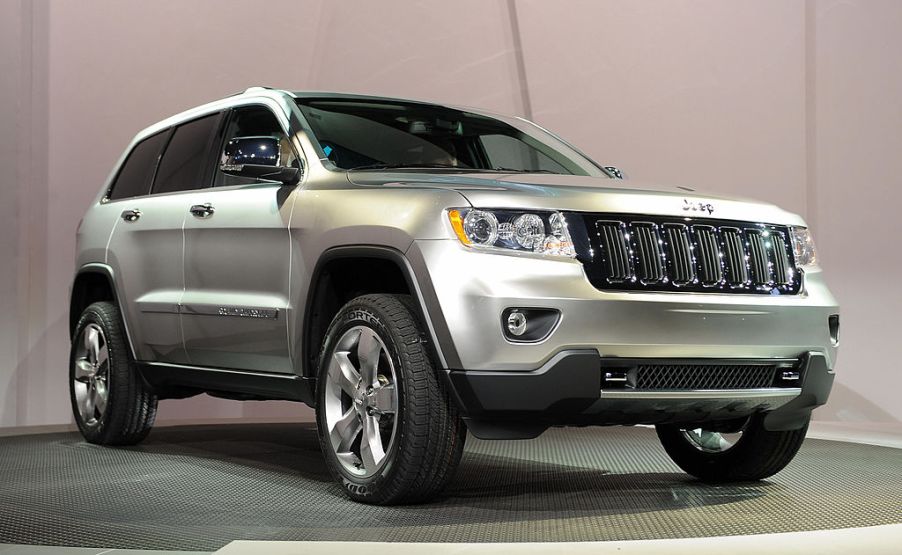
(658, 253)
(680, 255)
(737, 270)
(780, 259)
(615, 250)
(651, 264)
(709, 255)
(758, 259)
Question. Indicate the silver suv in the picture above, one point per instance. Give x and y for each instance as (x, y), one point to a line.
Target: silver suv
(414, 271)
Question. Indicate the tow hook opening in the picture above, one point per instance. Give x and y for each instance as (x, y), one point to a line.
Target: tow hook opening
(833, 325)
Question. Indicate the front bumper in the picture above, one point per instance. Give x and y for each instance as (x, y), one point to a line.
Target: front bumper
(466, 292)
(568, 391)
(557, 380)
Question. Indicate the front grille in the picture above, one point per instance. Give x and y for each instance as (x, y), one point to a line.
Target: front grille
(631, 252)
(657, 377)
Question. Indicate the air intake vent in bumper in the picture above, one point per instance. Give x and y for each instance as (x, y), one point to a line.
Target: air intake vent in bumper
(652, 377)
(696, 375)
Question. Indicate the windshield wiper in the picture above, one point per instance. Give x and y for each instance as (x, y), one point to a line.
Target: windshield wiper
(403, 166)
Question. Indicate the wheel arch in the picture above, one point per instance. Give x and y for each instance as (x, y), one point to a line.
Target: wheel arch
(392, 264)
(94, 282)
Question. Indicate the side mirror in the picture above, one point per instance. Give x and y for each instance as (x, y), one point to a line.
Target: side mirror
(615, 172)
(257, 158)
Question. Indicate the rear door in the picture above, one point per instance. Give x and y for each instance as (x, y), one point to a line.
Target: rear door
(146, 246)
(237, 258)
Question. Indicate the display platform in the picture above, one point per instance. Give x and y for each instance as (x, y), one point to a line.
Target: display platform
(200, 487)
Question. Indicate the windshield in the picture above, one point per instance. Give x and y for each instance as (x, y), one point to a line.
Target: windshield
(366, 134)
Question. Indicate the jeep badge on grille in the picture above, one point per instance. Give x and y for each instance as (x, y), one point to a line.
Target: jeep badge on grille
(697, 206)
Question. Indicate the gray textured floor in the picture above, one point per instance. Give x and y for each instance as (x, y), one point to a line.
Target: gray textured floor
(199, 488)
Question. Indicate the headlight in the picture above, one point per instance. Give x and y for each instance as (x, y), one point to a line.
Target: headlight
(534, 231)
(803, 247)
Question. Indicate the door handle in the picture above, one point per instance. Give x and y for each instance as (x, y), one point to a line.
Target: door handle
(131, 215)
(203, 210)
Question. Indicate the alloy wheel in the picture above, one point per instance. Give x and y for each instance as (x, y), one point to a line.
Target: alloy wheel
(91, 374)
(361, 401)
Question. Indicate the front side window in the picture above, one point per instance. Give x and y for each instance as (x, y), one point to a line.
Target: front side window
(379, 134)
(184, 163)
(137, 172)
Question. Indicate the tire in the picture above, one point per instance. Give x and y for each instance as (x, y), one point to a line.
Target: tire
(395, 389)
(122, 407)
(756, 455)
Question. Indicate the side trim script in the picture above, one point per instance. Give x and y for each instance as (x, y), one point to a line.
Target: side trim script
(235, 311)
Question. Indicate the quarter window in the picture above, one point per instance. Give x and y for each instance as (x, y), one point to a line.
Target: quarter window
(137, 172)
(183, 166)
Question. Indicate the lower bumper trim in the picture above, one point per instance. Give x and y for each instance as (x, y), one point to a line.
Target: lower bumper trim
(787, 393)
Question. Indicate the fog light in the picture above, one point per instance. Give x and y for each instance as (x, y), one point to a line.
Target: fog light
(516, 323)
(529, 325)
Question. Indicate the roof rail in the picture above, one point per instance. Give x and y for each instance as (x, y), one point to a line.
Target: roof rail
(249, 90)
(257, 88)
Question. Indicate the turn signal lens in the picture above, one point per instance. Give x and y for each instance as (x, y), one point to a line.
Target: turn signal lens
(457, 223)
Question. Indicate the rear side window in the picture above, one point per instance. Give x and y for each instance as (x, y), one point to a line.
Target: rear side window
(185, 161)
(137, 172)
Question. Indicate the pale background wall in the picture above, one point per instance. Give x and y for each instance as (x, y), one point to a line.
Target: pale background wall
(794, 102)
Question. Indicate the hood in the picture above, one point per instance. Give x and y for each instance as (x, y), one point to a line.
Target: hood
(581, 194)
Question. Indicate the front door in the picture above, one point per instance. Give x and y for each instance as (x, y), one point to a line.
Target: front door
(237, 257)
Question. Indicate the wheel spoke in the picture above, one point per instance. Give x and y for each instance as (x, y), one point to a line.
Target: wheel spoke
(346, 374)
(83, 370)
(81, 393)
(90, 405)
(368, 350)
(371, 451)
(92, 343)
(103, 355)
(384, 399)
(101, 396)
(345, 431)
